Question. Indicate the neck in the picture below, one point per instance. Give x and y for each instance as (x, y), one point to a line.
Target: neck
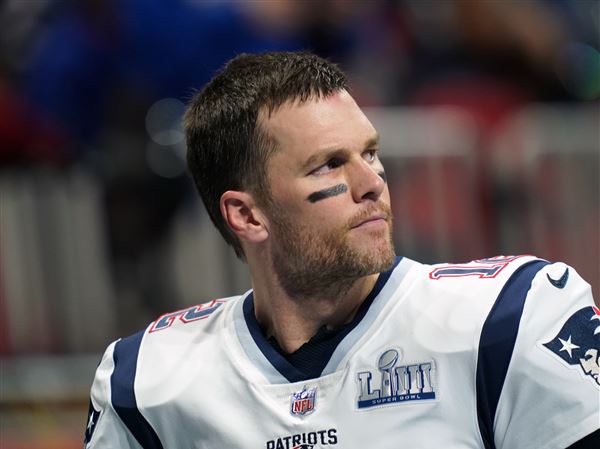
(292, 321)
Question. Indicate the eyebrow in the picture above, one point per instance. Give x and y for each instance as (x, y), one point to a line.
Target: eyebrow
(332, 152)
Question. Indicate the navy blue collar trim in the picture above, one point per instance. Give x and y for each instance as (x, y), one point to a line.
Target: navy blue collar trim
(317, 353)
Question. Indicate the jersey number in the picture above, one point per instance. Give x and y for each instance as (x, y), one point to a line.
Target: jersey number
(482, 268)
(194, 313)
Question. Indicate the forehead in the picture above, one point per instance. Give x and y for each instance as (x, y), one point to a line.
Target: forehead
(318, 124)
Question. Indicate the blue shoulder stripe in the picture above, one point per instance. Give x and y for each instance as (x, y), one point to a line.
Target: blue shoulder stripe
(496, 345)
(125, 357)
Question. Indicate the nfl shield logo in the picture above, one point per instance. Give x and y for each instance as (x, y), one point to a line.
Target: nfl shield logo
(303, 401)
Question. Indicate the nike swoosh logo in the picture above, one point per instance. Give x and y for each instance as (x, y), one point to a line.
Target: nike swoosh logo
(560, 282)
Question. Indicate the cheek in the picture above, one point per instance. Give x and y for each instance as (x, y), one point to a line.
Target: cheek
(293, 205)
(330, 216)
(317, 217)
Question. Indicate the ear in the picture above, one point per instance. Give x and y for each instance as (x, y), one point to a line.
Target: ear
(243, 217)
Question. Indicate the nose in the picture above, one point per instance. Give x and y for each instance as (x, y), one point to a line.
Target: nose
(367, 181)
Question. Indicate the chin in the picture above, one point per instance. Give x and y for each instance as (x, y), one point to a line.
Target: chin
(380, 257)
(376, 243)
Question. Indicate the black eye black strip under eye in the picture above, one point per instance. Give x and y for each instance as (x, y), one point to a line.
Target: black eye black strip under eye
(327, 193)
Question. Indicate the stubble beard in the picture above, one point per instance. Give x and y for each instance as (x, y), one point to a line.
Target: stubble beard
(310, 263)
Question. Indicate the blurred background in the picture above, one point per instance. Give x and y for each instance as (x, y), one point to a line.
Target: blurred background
(488, 111)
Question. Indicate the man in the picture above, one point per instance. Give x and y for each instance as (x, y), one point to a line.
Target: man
(341, 344)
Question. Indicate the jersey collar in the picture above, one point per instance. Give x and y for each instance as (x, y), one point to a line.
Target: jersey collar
(276, 368)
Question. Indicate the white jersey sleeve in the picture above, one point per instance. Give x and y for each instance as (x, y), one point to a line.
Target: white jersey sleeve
(105, 428)
(550, 397)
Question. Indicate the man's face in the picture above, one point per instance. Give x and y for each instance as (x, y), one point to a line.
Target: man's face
(591, 364)
(329, 210)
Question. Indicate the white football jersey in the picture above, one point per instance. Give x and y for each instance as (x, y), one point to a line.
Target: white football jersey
(496, 353)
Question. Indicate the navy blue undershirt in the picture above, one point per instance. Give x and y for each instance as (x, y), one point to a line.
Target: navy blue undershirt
(308, 361)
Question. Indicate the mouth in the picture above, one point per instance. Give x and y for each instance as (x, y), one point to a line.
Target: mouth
(373, 220)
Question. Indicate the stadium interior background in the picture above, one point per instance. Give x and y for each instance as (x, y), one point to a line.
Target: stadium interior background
(488, 111)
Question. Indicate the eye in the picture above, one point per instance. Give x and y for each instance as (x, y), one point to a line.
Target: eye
(327, 167)
(370, 155)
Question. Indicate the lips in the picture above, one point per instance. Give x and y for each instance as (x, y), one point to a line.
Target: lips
(374, 218)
